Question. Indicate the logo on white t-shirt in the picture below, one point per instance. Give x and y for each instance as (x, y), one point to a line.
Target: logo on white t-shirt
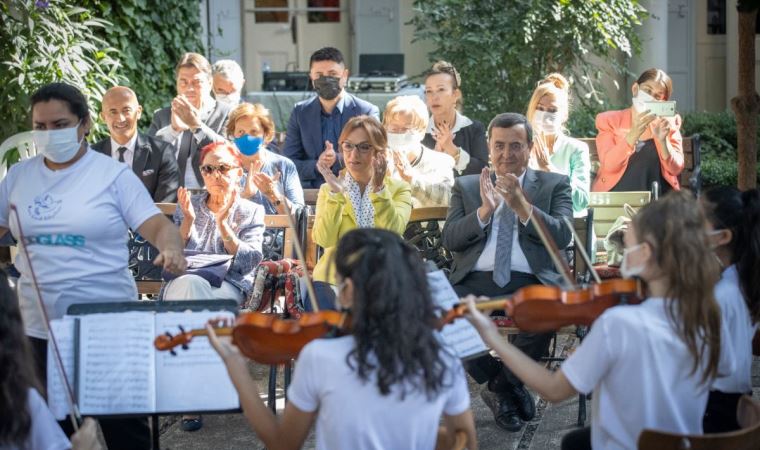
(44, 207)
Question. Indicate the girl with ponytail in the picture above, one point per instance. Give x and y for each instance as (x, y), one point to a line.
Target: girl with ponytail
(385, 385)
(734, 227)
(553, 150)
(649, 365)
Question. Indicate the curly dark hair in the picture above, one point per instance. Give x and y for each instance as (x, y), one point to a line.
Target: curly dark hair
(393, 314)
(17, 374)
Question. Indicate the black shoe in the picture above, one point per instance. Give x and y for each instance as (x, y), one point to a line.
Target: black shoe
(526, 406)
(192, 423)
(503, 409)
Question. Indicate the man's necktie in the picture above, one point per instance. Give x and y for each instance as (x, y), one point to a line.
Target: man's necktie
(121, 151)
(502, 265)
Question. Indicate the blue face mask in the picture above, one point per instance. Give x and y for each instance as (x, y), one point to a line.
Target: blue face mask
(249, 145)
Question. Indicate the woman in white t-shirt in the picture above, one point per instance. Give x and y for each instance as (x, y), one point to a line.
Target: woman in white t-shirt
(734, 223)
(26, 422)
(385, 385)
(650, 366)
(75, 207)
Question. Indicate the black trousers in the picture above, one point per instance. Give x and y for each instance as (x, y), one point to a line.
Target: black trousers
(536, 345)
(720, 415)
(120, 434)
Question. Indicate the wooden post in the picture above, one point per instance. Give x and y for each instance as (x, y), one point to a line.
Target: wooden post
(746, 105)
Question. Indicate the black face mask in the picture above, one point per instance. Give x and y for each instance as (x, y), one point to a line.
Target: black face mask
(327, 87)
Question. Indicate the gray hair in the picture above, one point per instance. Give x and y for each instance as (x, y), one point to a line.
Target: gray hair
(230, 70)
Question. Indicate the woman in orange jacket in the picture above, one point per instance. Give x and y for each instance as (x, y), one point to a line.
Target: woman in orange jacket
(635, 146)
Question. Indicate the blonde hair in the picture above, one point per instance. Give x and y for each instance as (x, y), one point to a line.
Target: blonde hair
(555, 85)
(254, 111)
(674, 227)
(407, 105)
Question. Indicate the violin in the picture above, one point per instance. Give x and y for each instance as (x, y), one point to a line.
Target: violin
(541, 308)
(265, 338)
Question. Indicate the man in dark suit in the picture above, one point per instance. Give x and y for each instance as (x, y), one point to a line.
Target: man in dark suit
(193, 120)
(315, 124)
(490, 228)
(152, 160)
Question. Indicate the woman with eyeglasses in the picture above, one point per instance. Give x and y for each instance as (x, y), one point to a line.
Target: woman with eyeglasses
(363, 196)
(219, 222)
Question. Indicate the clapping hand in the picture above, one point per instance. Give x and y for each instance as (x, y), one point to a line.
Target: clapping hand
(403, 168)
(251, 188)
(488, 202)
(379, 171)
(336, 184)
(327, 157)
(185, 205)
(187, 113)
(224, 211)
(444, 139)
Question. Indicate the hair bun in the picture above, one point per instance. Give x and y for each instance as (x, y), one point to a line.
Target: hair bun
(447, 67)
(559, 81)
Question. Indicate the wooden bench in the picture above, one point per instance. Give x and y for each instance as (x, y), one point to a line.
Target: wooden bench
(690, 177)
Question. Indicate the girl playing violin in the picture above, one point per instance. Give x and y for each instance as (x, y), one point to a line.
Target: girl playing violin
(733, 219)
(649, 365)
(387, 383)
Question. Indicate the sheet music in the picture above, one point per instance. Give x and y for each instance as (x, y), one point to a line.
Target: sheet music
(63, 330)
(462, 337)
(116, 364)
(195, 379)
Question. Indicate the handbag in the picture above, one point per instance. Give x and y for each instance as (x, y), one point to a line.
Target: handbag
(211, 267)
(613, 242)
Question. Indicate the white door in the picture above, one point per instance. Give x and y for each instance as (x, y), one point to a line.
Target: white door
(281, 35)
(682, 52)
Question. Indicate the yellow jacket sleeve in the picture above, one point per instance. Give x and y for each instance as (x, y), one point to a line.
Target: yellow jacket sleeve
(393, 205)
(328, 218)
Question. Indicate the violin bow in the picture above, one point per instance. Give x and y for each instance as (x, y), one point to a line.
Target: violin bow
(300, 254)
(553, 250)
(582, 250)
(76, 418)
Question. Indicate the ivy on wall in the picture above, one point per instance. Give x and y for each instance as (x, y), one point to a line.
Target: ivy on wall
(46, 41)
(150, 36)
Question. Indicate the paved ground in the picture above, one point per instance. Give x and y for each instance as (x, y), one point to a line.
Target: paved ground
(231, 431)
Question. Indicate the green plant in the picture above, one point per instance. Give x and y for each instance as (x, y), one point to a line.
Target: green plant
(502, 49)
(718, 146)
(42, 42)
(150, 39)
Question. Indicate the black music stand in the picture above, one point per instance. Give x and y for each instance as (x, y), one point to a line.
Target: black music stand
(81, 309)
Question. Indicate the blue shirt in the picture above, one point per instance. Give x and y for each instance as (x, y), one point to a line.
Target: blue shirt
(289, 183)
(331, 123)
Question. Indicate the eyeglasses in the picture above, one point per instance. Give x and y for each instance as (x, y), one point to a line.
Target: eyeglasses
(364, 147)
(208, 169)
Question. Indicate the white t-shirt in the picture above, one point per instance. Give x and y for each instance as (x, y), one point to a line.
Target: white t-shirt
(639, 369)
(737, 333)
(355, 416)
(45, 433)
(75, 221)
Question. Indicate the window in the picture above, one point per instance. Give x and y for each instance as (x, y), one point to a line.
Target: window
(324, 16)
(716, 16)
(271, 16)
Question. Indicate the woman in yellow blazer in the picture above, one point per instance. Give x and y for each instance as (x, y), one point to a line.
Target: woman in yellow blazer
(362, 197)
(635, 146)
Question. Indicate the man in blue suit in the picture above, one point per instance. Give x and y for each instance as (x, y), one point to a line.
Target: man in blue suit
(315, 124)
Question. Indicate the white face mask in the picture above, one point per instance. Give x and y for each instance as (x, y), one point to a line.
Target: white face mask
(546, 122)
(640, 99)
(230, 99)
(405, 142)
(59, 146)
(625, 270)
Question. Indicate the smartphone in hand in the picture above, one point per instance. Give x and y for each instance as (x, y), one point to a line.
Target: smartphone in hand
(662, 109)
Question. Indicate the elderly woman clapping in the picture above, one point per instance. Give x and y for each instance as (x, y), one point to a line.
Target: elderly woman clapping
(219, 222)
